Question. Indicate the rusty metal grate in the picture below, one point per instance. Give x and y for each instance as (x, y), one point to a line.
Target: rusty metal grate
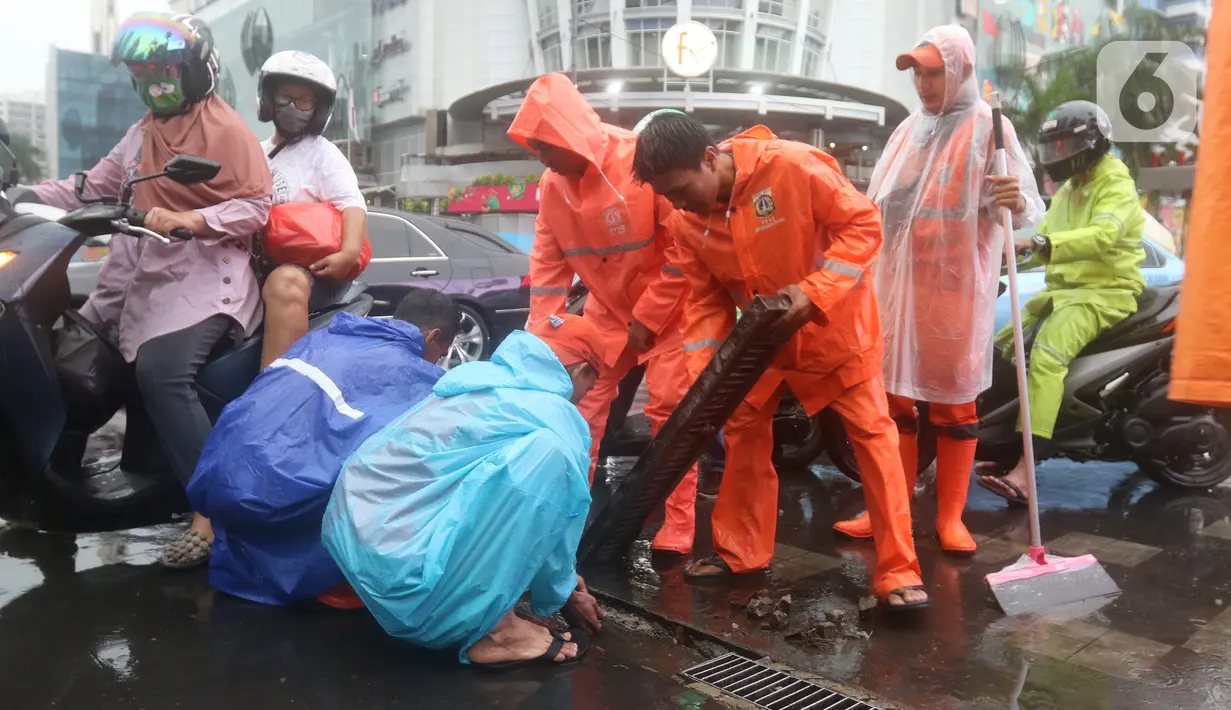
(736, 366)
(769, 688)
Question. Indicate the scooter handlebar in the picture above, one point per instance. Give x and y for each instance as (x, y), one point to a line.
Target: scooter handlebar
(136, 218)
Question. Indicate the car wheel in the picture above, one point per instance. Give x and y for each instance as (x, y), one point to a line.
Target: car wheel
(472, 342)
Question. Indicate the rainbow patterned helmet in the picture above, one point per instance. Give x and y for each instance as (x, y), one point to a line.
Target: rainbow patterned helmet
(170, 40)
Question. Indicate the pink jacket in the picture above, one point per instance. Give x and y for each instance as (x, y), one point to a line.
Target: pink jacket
(146, 288)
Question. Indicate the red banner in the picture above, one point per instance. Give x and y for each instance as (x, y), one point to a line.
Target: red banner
(494, 198)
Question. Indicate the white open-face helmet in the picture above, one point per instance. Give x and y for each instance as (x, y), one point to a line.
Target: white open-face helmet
(297, 66)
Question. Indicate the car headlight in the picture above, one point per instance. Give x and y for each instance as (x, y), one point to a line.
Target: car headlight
(6, 257)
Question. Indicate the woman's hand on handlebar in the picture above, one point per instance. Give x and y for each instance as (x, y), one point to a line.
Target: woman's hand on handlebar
(178, 225)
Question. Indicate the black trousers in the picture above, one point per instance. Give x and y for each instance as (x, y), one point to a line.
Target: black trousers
(166, 368)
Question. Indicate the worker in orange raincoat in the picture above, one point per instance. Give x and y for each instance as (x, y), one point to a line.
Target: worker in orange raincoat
(1201, 369)
(938, 277)
(595, 222)
(761, 216)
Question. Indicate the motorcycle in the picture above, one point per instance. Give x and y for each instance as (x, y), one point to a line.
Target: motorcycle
(43, 481)
(1115, 407)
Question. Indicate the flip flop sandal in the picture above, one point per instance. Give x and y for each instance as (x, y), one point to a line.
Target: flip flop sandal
(725, 571)
(911, 606)
(576, 635)
(1018, 498)
(188, 552)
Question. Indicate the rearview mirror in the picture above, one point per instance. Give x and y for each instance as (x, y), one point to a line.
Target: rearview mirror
(4, 133)
(191, 170)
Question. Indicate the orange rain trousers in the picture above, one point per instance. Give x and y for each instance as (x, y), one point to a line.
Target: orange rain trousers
(666, 378)
(746, 514)
(955, 458)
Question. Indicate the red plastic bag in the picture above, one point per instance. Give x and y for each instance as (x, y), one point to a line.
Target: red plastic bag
(303, 233)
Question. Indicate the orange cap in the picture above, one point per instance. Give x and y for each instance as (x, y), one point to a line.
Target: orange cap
(572, 338)
(925, 55)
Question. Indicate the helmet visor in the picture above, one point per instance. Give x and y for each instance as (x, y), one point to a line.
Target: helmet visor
(1055, 148)
(151, 38)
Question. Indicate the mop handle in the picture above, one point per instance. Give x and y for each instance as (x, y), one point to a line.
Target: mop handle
(1019, 341)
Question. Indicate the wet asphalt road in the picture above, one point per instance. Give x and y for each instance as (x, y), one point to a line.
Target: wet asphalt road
(92, 622)
(1164, 643)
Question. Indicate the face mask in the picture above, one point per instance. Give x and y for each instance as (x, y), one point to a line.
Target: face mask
(161, 93)
(1059, 172)
(292, 121)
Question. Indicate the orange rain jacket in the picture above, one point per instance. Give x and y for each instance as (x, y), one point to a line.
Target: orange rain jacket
(604, 227)
(793, 219)
(1201, 370)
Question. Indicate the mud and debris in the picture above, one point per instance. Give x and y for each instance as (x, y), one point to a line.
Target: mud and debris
(836, 623)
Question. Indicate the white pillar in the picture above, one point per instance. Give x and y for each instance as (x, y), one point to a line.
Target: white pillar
(683, 11)
(564, 10)
(619, 47)
(748, 45)
(797, 42)
(536, 47)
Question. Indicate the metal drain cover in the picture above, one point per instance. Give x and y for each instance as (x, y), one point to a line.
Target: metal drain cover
(769, 688)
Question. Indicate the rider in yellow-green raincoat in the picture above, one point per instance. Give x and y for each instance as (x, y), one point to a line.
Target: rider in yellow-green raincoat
(1090, 241)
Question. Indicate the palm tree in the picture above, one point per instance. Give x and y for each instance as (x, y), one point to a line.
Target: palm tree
(28, 157)
(1072, 75)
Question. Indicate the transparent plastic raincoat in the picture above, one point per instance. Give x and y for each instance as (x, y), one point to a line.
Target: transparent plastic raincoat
(936, 281)
(444, 518)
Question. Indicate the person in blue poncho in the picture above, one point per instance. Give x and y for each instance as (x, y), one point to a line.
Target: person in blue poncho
(271, 461)
(442, 520)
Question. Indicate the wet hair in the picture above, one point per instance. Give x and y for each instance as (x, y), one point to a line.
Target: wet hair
(428, 309)
(670, 141)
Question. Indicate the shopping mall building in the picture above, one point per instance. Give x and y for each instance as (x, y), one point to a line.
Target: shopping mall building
(428, 87)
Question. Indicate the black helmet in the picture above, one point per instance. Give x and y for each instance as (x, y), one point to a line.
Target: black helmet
(163, 38)
(1073, 138)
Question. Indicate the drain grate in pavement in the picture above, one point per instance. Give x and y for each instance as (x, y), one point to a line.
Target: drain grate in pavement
(769, 688)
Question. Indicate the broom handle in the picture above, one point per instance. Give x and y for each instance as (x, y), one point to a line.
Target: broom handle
(1019, 341)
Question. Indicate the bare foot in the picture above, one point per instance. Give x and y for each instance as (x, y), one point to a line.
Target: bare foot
(201, 524)
(515, 639)
(1013, 486)
(907, 595)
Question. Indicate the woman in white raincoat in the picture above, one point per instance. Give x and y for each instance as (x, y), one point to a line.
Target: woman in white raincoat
(936, 280)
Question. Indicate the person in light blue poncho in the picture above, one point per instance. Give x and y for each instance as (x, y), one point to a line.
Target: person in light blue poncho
(443, 519)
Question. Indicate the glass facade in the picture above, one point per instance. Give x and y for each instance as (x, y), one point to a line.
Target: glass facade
(646, 38)
(337, 31)
(773, 49)
(727, 32)
(553, 53)
(814, 51)
(593, 46)
(95, 106)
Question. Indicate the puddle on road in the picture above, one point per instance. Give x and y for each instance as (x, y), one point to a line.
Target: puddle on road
(1164, 643)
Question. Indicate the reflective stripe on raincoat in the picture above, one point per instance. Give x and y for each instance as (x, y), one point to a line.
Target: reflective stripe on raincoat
(783, 187)
(604, 226)
(1096, 250)
(939, 271)
(1201, 368)
(444, 518)
(271, 461)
